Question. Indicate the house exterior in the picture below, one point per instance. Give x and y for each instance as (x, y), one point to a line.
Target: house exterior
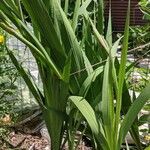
(119, 10)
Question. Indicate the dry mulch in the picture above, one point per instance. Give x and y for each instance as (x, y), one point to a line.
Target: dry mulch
(27, 135)
(22, 141)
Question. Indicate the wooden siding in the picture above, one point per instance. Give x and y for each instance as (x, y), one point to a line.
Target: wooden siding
(119, 9)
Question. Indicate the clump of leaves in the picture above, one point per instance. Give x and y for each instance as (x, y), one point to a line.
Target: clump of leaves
(139, 36)
(145, 8)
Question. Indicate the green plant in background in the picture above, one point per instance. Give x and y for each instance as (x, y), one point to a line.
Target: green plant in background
(145, 8)
(69, 64)
(8, 75)
(140, 79)
(139, 36)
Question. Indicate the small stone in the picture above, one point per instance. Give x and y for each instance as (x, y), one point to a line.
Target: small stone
(44, 133)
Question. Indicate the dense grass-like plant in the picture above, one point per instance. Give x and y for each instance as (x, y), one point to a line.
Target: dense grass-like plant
(112, 113)
(56, 51)
(67, 52)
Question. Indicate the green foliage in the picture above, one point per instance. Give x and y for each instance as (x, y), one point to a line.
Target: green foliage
(8, 75)
(82, 67)
(145, 8)
(57, 53)
(140, 35)
(139, 79)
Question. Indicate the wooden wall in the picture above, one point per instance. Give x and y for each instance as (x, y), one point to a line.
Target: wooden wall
(119, 9)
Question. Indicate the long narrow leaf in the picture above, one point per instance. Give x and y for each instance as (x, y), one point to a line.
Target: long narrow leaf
(122, 70)
(76, 14)
(109, 27)
(90, 116)
(132, 113)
